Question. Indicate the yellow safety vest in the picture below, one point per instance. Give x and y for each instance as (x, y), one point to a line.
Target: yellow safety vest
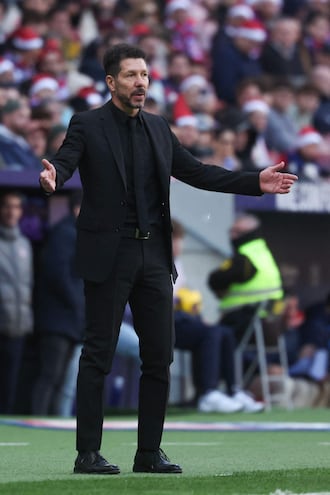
(265, 284)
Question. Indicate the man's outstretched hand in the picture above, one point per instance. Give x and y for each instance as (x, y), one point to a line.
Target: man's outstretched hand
(48, 176)
(273, 181)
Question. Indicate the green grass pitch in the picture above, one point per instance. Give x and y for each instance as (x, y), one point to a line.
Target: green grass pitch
(39, 461)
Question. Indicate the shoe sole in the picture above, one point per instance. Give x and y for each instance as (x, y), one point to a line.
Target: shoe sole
(79, 471)
(142, 469)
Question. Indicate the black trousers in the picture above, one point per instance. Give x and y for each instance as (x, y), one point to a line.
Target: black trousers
(141, 276)
(11, 352)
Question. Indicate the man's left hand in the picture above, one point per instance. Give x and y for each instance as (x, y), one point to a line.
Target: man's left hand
(273, 181)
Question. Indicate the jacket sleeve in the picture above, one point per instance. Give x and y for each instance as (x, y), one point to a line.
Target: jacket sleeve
(67, 158)
(186, 168)
(236, 269)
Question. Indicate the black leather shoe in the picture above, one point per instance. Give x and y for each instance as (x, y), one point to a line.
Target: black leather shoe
(94, 463)
(154, 462)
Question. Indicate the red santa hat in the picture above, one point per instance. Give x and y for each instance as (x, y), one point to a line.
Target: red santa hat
(41, 82)
(6, 65)
(27, 38)
(308, 135)
(90, 95)
(182, 115)
(251, 29)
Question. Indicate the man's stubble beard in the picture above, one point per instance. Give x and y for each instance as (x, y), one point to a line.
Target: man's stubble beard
(124, 100)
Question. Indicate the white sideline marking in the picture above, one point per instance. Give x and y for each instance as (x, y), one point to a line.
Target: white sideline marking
(287, 492)
(189, 444)
(14, 444)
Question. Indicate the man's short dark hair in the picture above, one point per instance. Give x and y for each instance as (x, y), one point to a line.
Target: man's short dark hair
(114, 55)
(6, 193)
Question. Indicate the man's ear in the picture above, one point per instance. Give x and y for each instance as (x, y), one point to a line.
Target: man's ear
(110, 82)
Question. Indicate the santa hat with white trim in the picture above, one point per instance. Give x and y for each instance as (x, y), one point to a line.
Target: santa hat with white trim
(41, 82)
(182, 115)
(193, 80)
(6, 65)
(26, 38)
(256, 106)
(256, 2)
(174, 5)
(241, 10)
(308, 135)
(91, 96)
(252, 29)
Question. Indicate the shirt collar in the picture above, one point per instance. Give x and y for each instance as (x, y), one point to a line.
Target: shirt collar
(121, 116)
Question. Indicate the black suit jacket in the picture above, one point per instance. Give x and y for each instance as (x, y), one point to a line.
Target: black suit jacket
(93, 145)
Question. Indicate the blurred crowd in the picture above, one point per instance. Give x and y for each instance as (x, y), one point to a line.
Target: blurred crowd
(243, 83)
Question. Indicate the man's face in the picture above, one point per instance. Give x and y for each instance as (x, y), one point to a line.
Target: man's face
(11, 211)
(18, 120)
(129, 87)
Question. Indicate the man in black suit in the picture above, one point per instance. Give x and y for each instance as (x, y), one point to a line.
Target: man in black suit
(124, 247)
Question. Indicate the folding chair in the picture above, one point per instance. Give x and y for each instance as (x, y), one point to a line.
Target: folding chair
(263, 336)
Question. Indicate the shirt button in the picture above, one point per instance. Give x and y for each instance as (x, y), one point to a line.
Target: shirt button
(123, 203)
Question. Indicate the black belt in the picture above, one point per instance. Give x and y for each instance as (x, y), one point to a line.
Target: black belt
(134, 233)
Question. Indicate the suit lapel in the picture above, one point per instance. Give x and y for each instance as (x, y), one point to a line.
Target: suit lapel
(112, 135)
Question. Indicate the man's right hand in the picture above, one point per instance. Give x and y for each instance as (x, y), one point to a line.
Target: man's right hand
(48, 176)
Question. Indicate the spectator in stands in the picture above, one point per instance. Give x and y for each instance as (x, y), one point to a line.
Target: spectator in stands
(61, 28)
(281, 133)
(90, 63)
(257, 112)
(59, 311)
(212, 346)
(307, 101)
(267, 11)
(179, 67)
(207, 126)
(36, 136)
(293, 319)
(199, 94)
(43, 87)
(15, 151)
(248, 89)
(182, 29)
(235, 16)
(24, 48)
(187, 132)
(306, 159)
(320, 78)
(7, 76)
(52, 62)
(239, 54)
(224, 149)
(316, 34)
(283, 54)
(249, 276)
(313, 360)
(16, 287)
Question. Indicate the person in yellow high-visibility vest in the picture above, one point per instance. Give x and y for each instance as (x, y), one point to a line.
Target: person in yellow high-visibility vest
(249, 276)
